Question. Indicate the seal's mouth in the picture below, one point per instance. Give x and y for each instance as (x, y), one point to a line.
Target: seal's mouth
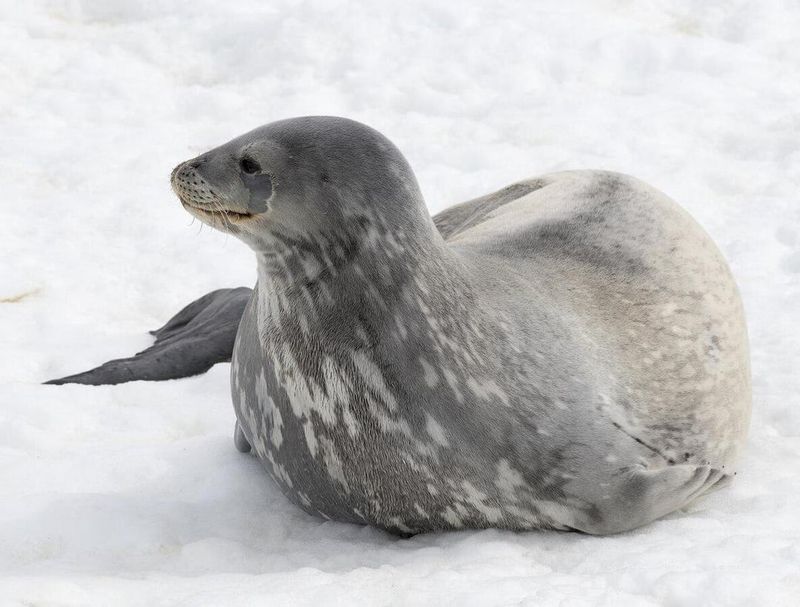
(218, 213)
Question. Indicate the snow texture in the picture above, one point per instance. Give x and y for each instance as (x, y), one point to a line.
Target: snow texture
(135, 495)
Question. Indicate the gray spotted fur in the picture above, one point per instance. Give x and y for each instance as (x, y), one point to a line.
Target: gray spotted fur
(569, 352)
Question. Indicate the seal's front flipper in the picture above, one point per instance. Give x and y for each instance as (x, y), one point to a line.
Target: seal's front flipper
(240, 440)
(194, 340)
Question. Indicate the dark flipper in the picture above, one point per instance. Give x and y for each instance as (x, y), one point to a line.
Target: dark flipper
(194, 340)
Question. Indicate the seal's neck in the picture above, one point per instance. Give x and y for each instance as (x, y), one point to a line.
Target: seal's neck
(332, 286)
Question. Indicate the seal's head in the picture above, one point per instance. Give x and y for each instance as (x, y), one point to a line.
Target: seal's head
(303, 178)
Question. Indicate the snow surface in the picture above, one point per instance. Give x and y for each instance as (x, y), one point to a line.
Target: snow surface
(134, 494)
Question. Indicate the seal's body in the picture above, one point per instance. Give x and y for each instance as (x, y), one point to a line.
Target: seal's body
(569, 352)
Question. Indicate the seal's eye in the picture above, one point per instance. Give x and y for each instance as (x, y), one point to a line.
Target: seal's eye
(249, 166)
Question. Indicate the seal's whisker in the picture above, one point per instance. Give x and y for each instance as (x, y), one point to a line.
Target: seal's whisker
(226, 217)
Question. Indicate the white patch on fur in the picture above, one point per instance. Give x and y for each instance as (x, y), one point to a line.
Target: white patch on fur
(374, 378)
(268, 407)
(333, 464)
(401, 326)
(276, 436)
(453, 383)
(386, 422)
(311, 437)
(430, 376)
(477, 499)
(311, 266)
(486, 389)
(451, 517)
(397, 522)
(508, 479)
(435, 430)
(304, 396)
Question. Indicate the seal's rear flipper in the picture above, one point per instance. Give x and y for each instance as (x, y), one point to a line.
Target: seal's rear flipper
(638, 496)
(194, 340)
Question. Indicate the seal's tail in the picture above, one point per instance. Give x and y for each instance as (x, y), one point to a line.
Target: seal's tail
(194, 340)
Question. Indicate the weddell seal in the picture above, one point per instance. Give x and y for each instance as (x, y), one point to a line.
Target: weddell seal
(567, 353)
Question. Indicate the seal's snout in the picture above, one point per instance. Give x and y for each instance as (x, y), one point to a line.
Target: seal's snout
(200, 198)
(190, 186)
(174, 172)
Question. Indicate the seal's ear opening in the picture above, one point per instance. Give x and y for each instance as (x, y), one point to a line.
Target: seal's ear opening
(258, 184)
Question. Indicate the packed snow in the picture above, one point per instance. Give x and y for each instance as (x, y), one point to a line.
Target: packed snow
(134, 494)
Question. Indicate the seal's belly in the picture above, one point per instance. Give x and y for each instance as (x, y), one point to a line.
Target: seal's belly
(403, 474)
(395, 482)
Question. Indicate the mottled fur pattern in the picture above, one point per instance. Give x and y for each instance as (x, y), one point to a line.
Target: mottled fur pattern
(569, 352)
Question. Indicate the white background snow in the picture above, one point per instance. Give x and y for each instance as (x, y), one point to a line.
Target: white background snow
(134, 494)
